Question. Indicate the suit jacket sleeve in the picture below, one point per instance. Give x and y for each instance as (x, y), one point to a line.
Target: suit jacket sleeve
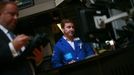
(88, 49)
(56, 58)
(5, 53)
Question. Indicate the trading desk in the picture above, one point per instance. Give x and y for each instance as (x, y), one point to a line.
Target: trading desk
(118, 62)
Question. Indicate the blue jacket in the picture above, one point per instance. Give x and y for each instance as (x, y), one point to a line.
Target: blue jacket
(64, 53)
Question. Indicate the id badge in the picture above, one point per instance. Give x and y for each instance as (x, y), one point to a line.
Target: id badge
(68, 56)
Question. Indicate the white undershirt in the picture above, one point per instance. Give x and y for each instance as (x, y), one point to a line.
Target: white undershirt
(70, 42)
(13, 51)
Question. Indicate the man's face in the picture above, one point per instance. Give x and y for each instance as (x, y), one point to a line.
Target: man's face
(9, 16)
(69, 30)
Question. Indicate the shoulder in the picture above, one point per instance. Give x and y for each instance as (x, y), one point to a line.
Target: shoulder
(59, 42)
(2, 34)
(77, 39)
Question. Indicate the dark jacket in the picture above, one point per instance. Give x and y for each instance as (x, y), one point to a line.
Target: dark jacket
(10, 65)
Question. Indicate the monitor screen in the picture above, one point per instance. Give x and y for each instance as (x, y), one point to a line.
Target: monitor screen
(88, 28)
(24, 3)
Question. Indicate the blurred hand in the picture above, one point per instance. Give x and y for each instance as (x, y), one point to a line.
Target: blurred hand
(20, 41)
(38, 55)
(71, 62)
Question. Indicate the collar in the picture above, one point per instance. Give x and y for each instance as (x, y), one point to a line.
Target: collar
(3, 29)
(66, 38)
(75, 39)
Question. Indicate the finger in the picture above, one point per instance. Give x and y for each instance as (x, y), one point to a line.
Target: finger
(23, 36)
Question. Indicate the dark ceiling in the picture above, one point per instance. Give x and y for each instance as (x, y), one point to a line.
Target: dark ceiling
(30, 23)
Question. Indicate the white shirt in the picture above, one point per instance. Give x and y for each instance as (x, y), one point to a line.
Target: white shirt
(13, 51)
(70, 42)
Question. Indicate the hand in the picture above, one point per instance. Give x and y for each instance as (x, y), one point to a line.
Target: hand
(38, 55)
(71, 62)
(20, 41)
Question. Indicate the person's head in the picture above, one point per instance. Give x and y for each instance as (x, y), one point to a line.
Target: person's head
(68, 28)
(8, 14)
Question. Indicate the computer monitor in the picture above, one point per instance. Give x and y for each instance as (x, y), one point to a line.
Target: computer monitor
(88, 29)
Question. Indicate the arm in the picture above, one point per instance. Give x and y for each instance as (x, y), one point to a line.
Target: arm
(5, 53)
(38, 55)
(56, 58)
(88, 49)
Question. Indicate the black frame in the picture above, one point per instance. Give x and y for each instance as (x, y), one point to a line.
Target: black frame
(25, 3)
(87, 26)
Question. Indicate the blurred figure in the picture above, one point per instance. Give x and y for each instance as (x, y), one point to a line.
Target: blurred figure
(13, 53)
(69, 49)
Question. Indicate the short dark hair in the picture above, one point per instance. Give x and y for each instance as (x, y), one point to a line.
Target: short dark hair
(66, 21)
(4, 3)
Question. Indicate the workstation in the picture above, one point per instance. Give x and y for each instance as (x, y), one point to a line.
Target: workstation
(118, 62)
(107, 25)
(103, 27)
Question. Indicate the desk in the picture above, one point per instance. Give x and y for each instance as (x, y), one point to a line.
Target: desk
(118, 62)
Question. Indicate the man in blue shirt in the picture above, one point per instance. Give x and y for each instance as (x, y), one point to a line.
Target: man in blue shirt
(69, 49)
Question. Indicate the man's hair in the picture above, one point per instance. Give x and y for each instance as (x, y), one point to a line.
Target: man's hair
(4, 3)
(66, 21)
